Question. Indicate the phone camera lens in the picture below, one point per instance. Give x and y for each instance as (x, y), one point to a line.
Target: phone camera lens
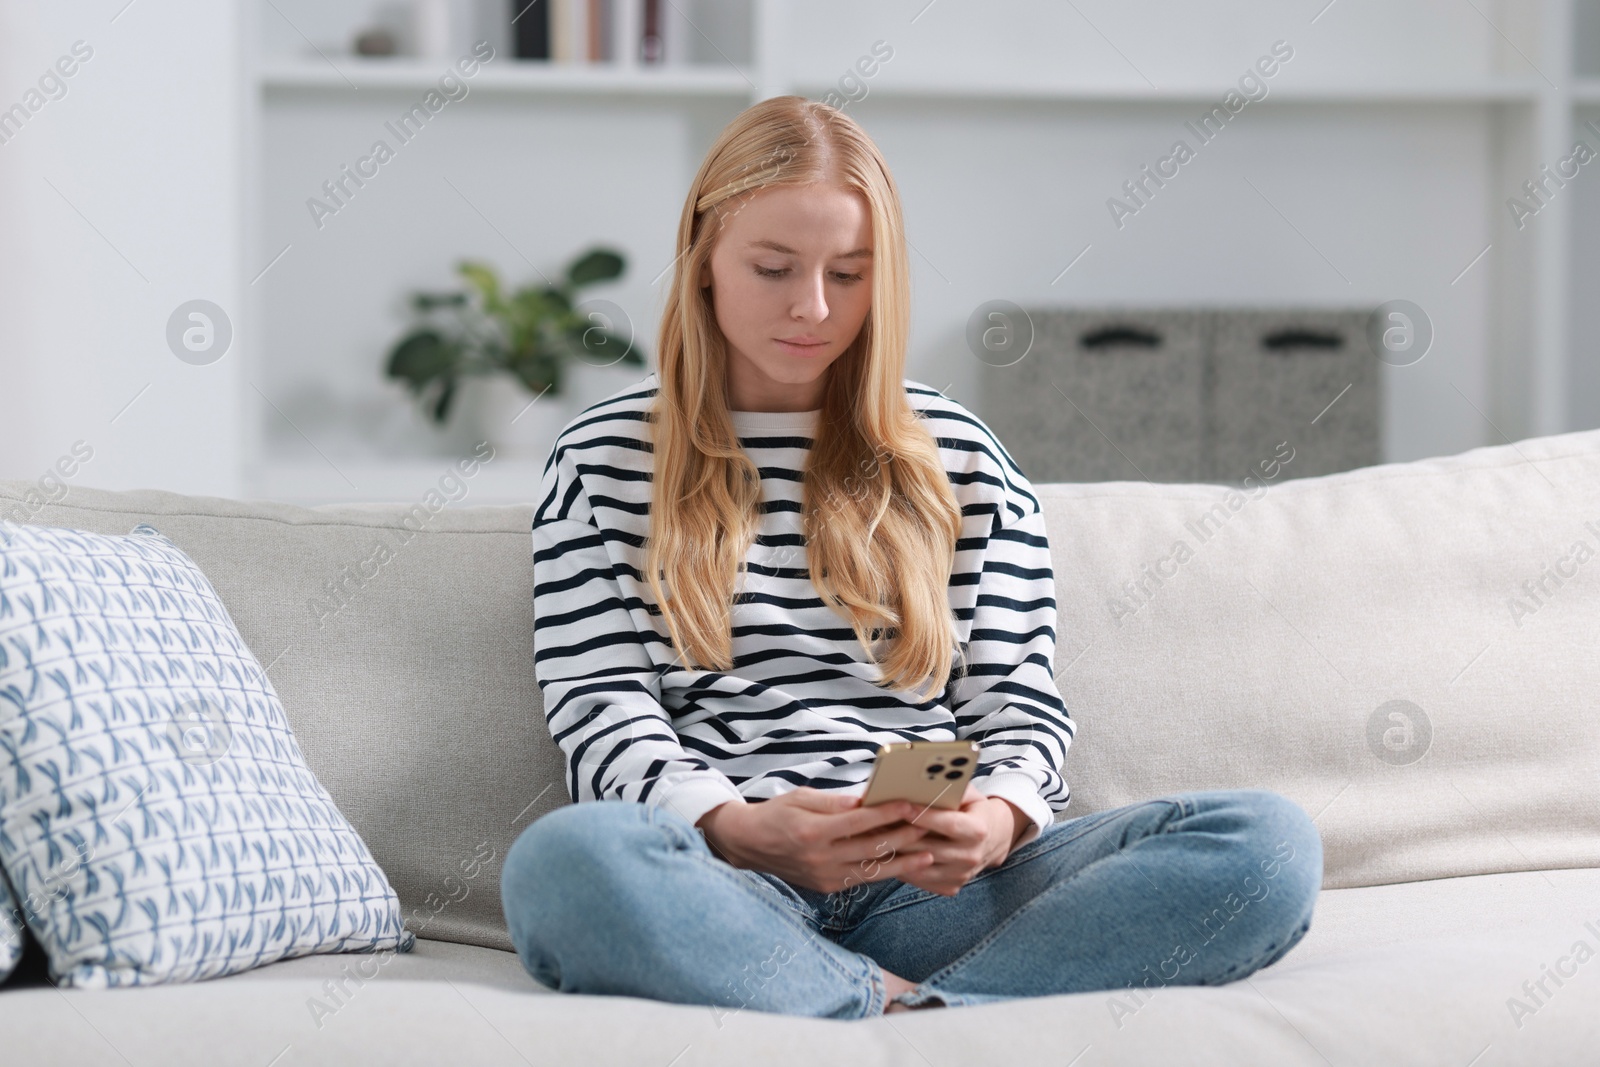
(935, 768)
(953, 774)
(959, 761)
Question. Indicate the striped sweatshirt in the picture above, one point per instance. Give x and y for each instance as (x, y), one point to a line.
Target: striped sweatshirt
(799, 707)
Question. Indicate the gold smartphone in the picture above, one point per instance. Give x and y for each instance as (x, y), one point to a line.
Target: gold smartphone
(930, 773)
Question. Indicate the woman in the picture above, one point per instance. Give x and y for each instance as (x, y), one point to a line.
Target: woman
(771, 557)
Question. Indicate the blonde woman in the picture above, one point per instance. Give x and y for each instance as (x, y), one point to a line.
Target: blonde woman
(776, 554)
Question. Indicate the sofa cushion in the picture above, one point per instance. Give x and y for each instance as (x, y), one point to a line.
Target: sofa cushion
(1407, 651)
(1270, 656)
(156, 816)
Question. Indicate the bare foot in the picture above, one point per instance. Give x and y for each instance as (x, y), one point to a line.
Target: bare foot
(894, 986)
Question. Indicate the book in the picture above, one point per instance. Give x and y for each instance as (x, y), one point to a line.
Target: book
(622, 32)
(561, 30)
(625, 30)
(530, 24)
(574, 29)
(599, 30)
(652, 48)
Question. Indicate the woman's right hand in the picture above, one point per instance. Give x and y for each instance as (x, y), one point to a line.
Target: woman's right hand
(817, 838)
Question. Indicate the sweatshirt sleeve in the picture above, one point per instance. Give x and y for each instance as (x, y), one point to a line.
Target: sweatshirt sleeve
(602, 693)
(1006, 698)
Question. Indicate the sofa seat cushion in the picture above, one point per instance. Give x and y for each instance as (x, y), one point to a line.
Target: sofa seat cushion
(1419, 973)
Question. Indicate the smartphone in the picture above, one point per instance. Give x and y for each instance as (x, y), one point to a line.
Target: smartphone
(930, 773)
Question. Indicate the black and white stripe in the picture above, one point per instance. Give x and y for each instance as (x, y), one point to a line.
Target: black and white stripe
(799, 706)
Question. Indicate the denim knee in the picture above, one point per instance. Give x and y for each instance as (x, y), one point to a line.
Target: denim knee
(1285, 853)
(1272, 880)
(1291, 845)
(572, 838)
(558, 862)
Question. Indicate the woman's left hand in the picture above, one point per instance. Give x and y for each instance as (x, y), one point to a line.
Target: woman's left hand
(965, 841)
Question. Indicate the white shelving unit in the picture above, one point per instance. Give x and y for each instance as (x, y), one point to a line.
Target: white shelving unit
(528, 77)
(1532, 118)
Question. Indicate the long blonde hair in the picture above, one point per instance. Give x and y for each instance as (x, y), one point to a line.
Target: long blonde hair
(881, 520)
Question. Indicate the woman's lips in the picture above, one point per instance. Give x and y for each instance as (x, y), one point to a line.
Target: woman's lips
(802, 350)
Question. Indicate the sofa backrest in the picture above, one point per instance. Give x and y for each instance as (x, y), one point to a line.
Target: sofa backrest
(1408, 651)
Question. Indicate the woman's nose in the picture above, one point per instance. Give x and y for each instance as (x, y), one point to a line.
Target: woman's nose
(812, 300)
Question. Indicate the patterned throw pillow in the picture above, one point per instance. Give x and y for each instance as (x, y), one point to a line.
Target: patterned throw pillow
(10, 930)
(157, 819)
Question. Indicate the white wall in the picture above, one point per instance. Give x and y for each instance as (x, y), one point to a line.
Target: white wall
(1137, 43)
(1389, 203)
(119, 202)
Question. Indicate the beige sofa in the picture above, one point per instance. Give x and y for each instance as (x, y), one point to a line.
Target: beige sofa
(1409, 651)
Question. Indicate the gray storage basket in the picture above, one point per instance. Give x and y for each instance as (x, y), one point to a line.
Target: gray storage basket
(1271, 373)
(1103, 395)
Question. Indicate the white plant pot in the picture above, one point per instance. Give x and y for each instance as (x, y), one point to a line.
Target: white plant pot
(523, 425)
(519, 424)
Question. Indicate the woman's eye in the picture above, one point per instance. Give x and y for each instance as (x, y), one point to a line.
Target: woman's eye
(840, 276)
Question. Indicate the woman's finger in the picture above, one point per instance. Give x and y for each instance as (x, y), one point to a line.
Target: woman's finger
(858, 820)
(879, 846)
(904, 866)
(956, 825)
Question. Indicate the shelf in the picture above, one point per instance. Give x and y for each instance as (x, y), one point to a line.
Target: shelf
(348, 74)
(1496, 90)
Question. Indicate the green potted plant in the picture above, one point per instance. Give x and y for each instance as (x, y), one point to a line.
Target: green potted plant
(525, 339)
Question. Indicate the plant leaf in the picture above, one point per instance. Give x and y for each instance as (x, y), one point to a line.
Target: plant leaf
(529, 306)
(422, 356)
(552, 298)
(423, 302)
(596, 265)
(537, 374)
(441, 407)
(483, 278)
(601, 348)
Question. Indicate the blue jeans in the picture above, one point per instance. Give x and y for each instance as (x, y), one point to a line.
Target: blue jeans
(621, 898)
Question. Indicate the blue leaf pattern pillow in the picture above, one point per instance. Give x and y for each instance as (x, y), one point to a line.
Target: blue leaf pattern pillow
(157, 819)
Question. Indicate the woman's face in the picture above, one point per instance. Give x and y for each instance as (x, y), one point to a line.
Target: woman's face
(792, 264)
